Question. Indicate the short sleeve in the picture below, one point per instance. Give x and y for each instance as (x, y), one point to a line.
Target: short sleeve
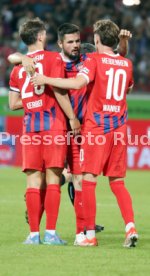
(89, 69)
(13, 83)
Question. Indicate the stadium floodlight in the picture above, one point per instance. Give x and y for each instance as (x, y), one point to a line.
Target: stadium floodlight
(131, 2)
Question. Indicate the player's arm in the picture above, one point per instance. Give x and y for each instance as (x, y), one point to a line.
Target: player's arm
(72, 83)
(27, 62)
(131, 80)
(124, 37)
(15, 101)
(130, 89)
(85, 76)
(64, 102)
(15, 58)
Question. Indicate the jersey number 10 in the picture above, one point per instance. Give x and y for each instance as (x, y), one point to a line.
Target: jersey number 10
(114, 78)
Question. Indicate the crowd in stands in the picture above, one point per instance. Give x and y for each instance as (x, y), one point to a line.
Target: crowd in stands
(82, 13)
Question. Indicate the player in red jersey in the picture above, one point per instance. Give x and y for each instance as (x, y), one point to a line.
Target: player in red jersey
(44, 122)
(69, 42)
(85, 49)
(105, 119)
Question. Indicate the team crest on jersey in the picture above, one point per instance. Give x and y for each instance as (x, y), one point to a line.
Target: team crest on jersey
(84, 70)
(79, 66)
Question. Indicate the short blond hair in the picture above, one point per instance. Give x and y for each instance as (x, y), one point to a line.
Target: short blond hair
(108, 32)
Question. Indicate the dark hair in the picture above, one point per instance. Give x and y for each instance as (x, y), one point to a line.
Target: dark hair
(67, 28)
(108, 32)
(29, 30)
(87, 48)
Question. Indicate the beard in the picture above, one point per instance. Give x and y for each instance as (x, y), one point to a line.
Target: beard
(71, 56)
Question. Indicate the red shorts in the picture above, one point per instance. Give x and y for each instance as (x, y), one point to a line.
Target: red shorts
(109, 157)
(73, 155)
(44, 149)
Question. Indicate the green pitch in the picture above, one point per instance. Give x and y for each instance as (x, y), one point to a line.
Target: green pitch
(137, 109)
(108, 259)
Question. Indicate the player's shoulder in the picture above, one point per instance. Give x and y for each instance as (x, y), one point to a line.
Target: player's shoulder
(45, 55)
(92, 58)
(53, 55)
(16, 69)
(94, 54)
(87, 57)
(125, 59)
(128, 60)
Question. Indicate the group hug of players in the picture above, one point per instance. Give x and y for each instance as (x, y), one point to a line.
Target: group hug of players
(73, 93)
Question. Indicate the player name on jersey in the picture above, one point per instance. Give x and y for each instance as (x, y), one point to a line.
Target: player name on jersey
(34, 104)
(117, 62)
(111, 108)
(38, 58)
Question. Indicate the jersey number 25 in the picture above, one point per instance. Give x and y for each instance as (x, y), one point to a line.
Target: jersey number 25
(39, 91)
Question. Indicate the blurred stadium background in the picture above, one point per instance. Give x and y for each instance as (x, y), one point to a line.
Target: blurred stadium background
(109, 258)
(84, 13)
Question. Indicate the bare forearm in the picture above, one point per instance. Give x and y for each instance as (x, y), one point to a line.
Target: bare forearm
(72, 83)
(17, 105)
(27, 62)
(130, 89)
(15, 101)
(63, 83)
(123, 47)
(64, 102)
(15, 58)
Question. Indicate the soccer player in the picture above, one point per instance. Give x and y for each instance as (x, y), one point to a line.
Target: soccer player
(84, 49)
(44, 123)
(105, 119)
(69, 42)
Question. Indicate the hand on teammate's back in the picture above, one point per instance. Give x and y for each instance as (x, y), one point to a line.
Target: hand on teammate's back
(38, 79)
(29, 65)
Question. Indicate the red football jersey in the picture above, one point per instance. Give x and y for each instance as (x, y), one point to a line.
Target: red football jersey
(78, 98)
(111, 76)
(42, 112)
